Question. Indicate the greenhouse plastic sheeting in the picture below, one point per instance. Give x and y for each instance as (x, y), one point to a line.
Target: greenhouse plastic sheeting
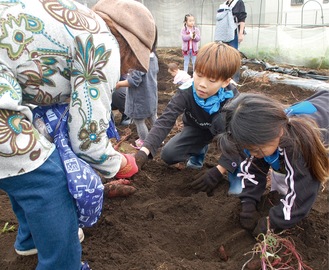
(309, 84)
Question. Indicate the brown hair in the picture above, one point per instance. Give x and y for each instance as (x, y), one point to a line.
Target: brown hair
(309, 139)
(186, 18)
(256, 119)
(172, 66)
(217, 60)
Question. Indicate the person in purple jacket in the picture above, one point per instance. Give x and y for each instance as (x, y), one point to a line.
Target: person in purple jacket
(190, 38)
(292, 142)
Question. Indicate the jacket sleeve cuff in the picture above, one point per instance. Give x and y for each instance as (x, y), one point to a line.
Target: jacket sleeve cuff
(230, 164)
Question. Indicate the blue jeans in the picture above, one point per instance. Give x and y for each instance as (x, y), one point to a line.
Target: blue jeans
(46, 214)
(235, 44)
(235, 183)
(189, 142)
(196, 161)
(187, 60)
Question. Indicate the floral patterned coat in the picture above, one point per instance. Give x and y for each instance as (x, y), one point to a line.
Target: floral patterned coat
(51, 53)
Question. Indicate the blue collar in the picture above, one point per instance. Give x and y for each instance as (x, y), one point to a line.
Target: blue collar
(212, 104)
(272, 160)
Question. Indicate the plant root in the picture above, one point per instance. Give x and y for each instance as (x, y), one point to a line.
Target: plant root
(274, 252)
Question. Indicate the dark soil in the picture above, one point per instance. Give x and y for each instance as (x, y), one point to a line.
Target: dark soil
(165, 226)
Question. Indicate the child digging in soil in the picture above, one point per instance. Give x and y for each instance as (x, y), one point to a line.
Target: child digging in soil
(180, 76)
(201, 104)
(292, 141)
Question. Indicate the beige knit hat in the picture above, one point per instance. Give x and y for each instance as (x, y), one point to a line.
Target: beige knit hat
(134, 22)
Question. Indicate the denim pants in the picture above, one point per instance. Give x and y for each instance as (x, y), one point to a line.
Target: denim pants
(235, 44)
(46, 214)
(187, 60)
(190, 141)
(235, 182)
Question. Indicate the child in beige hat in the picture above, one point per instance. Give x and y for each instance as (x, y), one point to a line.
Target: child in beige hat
(133, 26)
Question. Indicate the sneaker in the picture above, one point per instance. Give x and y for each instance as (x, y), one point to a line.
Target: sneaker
(138, 144)
(34, 251)
(29, 252)
(196, 161)
(193, 163)
(81, 235)
(85, 266)
(125, 120)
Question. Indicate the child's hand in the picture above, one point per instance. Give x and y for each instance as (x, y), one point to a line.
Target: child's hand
(141, 159)
(249, 216)
(261, 227)
(207, 181)
(119, 188)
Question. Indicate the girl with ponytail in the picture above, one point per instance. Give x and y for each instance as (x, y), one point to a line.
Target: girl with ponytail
(292, 141)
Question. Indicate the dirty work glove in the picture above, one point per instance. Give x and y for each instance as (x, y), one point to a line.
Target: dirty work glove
(130, 169)
(141, 159)
(119, 188)
(207, 181)
(261, 227)
(249, 216)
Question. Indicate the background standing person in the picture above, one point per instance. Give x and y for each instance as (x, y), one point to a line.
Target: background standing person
(226, 23)
(292, 141)
(239, 17)
(190, 41)
(142, 97)
(180, 76)
(47, 59)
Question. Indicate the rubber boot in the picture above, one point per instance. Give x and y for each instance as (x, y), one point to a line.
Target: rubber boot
(196, 161)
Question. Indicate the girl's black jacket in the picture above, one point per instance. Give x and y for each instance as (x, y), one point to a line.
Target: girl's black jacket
(302, 187)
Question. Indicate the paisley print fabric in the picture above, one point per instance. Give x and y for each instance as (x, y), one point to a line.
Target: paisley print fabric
(78, 65)
(67, 12)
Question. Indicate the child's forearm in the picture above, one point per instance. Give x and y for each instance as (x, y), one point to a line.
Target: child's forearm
(241, 28)
(120, 84)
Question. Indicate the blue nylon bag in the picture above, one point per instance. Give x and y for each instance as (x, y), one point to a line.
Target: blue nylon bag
(112, 131)
(84, 183)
